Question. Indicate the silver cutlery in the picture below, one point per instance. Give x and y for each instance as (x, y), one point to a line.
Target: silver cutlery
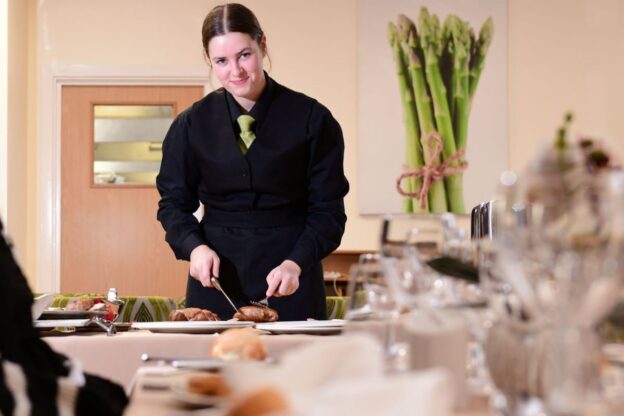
(217, 285)
(105, 324)
(264, 303)
(179, 362)
(146, 358)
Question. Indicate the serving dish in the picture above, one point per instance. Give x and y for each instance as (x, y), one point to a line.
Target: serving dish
(69, 326)
(59, 313)
(191, 327)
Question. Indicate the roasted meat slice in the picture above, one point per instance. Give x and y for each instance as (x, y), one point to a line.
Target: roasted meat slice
(193, 314)
(256, 314)
(80, 304)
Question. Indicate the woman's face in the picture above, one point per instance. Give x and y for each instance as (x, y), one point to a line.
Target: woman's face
(237, 61)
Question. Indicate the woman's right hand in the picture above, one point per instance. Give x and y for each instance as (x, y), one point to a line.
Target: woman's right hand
(204, 264)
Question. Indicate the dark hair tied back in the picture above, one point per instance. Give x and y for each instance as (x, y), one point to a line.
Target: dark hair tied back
(231, 17)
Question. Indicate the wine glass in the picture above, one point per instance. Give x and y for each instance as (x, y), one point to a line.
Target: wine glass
(555, 259)
(419, 288)
(373, 310)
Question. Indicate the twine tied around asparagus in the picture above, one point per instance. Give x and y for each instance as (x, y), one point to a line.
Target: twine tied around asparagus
(432, 171)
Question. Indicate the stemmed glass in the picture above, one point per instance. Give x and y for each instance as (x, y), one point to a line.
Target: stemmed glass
(373, 310)
(418, 287)
(556, 264)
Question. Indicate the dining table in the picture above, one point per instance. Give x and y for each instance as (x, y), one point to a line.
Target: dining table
(151, 395)
(147, 383)
(118, 357)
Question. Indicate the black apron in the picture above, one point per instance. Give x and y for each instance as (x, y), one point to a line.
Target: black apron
(249, 248)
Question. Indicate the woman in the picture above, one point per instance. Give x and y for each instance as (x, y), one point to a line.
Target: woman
(272, 196)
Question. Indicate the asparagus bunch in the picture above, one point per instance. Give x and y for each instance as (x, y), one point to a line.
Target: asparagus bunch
(438, 68)
(413, 151)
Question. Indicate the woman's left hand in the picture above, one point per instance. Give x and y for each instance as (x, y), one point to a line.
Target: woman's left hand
(284, 279)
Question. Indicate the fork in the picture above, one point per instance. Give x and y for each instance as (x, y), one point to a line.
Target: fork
(264, 303)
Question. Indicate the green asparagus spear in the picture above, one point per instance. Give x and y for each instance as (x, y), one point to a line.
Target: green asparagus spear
(431, 43)
(414, 157)
(460, 109)
(446, 62)
(408, 37)
(477, 60)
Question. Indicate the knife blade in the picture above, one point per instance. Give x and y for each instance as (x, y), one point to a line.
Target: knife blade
(217, 285)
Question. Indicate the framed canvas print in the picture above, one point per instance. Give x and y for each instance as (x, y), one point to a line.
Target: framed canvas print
(432, 104)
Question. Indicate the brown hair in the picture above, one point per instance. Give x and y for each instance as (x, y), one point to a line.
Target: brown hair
(231, 17)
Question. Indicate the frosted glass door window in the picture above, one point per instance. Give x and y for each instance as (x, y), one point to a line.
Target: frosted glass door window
(128, 142)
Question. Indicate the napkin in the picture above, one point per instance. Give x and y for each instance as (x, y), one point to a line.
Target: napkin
(329, 360)
(437, 338)
(419, 393)
(40, 304)
(345, 375)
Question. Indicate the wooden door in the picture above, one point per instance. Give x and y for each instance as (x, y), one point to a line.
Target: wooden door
(109, 233)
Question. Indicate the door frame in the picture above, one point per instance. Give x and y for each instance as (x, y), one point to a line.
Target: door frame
(52, 78)
(4, 113)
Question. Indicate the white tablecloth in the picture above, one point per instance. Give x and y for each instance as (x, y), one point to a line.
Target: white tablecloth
(149, 399)
(118, 357)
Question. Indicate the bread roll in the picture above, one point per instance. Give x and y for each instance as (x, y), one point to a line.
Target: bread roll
(239, 344)
(264, 401)
(256, 314)
(208, 385)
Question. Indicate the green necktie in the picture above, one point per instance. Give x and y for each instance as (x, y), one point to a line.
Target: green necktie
(247, 136)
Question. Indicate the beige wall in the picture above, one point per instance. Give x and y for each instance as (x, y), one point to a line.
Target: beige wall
(17, 126)
(563, 54)
(308, 51)
(30, 266)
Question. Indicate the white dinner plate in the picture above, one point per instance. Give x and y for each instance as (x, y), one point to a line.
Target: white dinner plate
(61, 323)
(77, 324)
(182, 395)
(333, 326)
(215, 364)
(191, 327)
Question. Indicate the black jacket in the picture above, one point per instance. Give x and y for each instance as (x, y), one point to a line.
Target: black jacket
(23, 355)
(292, 175)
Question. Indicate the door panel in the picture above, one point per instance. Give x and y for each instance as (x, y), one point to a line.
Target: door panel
(109, 234)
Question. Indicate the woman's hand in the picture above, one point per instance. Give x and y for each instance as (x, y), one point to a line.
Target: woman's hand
(284, 279)
(204, 264)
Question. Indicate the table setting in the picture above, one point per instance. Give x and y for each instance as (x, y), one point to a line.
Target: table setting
(532, 285)
(328, 376)
(503, 320)
(550, 263)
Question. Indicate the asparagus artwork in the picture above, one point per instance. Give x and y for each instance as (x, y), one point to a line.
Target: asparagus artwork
(438, 68)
